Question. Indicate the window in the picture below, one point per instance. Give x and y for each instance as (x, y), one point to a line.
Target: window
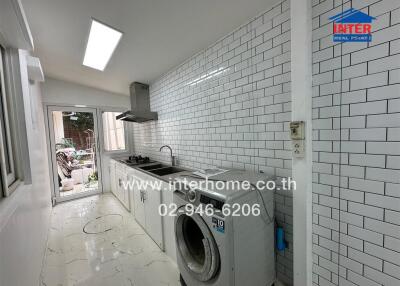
(7, 162)
(114, 132)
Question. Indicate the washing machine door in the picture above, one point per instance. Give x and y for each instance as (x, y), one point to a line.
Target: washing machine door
(196, 246)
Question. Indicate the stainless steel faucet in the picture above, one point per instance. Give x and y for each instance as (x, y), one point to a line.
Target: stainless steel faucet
(172, 157)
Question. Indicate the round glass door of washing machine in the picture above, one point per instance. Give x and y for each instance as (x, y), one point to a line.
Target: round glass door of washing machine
(196, 246)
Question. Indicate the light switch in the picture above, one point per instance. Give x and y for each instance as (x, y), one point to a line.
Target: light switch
(297, 130)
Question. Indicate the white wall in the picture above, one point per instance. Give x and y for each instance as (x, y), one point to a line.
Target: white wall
(24, 216)
(301, 75)
(61, 92)
(356, 129)
(236, 118)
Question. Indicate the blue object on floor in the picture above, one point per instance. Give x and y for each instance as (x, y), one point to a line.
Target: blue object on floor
(280, 239)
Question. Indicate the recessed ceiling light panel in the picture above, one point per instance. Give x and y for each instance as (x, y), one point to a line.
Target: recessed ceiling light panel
(100, 46)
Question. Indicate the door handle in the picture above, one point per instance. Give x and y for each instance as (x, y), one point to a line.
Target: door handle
(142, 196)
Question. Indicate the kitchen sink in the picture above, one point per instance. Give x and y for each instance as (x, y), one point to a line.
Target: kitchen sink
(166, 171)
(152, 167)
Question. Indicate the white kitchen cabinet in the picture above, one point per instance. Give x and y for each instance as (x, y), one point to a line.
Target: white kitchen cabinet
(123, 190)
(118, 178)
(126, 193)
(119, 190)
(143, 203)
(146, 201)
(152, 200)
(138, 202)
(113, 182)
(168, 222)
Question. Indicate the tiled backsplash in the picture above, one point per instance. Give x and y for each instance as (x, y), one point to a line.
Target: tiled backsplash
(356, 111)
(229, 106)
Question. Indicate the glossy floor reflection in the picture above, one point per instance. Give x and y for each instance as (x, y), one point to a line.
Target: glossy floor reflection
(95, 242)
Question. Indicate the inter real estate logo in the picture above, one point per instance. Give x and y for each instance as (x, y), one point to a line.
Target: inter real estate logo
(352, 26)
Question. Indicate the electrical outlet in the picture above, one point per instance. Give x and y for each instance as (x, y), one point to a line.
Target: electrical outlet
(298, 148)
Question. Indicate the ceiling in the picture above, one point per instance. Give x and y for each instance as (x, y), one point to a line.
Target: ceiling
(158, 35)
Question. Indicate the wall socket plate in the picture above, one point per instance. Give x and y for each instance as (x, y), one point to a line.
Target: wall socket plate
(298, 148)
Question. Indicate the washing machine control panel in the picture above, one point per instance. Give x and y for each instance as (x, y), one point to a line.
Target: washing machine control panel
(211, 201)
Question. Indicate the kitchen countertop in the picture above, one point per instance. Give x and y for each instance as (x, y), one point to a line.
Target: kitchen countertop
(166, 178)
(231, 175)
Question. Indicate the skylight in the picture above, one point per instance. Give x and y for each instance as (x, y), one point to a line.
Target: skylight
(101, 45)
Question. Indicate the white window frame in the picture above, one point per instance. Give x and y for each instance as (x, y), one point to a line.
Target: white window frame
(103, 132)
(8, 178)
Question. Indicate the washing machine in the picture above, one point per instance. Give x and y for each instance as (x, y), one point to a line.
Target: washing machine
(218, 250)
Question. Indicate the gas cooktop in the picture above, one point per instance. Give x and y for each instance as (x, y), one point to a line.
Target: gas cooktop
(137, 160)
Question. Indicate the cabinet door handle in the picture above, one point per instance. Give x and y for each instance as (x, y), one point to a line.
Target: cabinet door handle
(142, 196)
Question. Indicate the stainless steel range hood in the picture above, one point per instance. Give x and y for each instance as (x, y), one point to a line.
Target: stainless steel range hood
(140, 105)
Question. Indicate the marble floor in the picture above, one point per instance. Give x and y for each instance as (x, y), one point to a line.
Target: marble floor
(95, 242)
(80, 188)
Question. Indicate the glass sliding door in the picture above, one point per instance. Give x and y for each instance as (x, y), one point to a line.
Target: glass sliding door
(74, 152)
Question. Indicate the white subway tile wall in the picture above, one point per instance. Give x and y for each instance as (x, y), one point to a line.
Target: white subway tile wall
(229, 106)
(356, 120)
